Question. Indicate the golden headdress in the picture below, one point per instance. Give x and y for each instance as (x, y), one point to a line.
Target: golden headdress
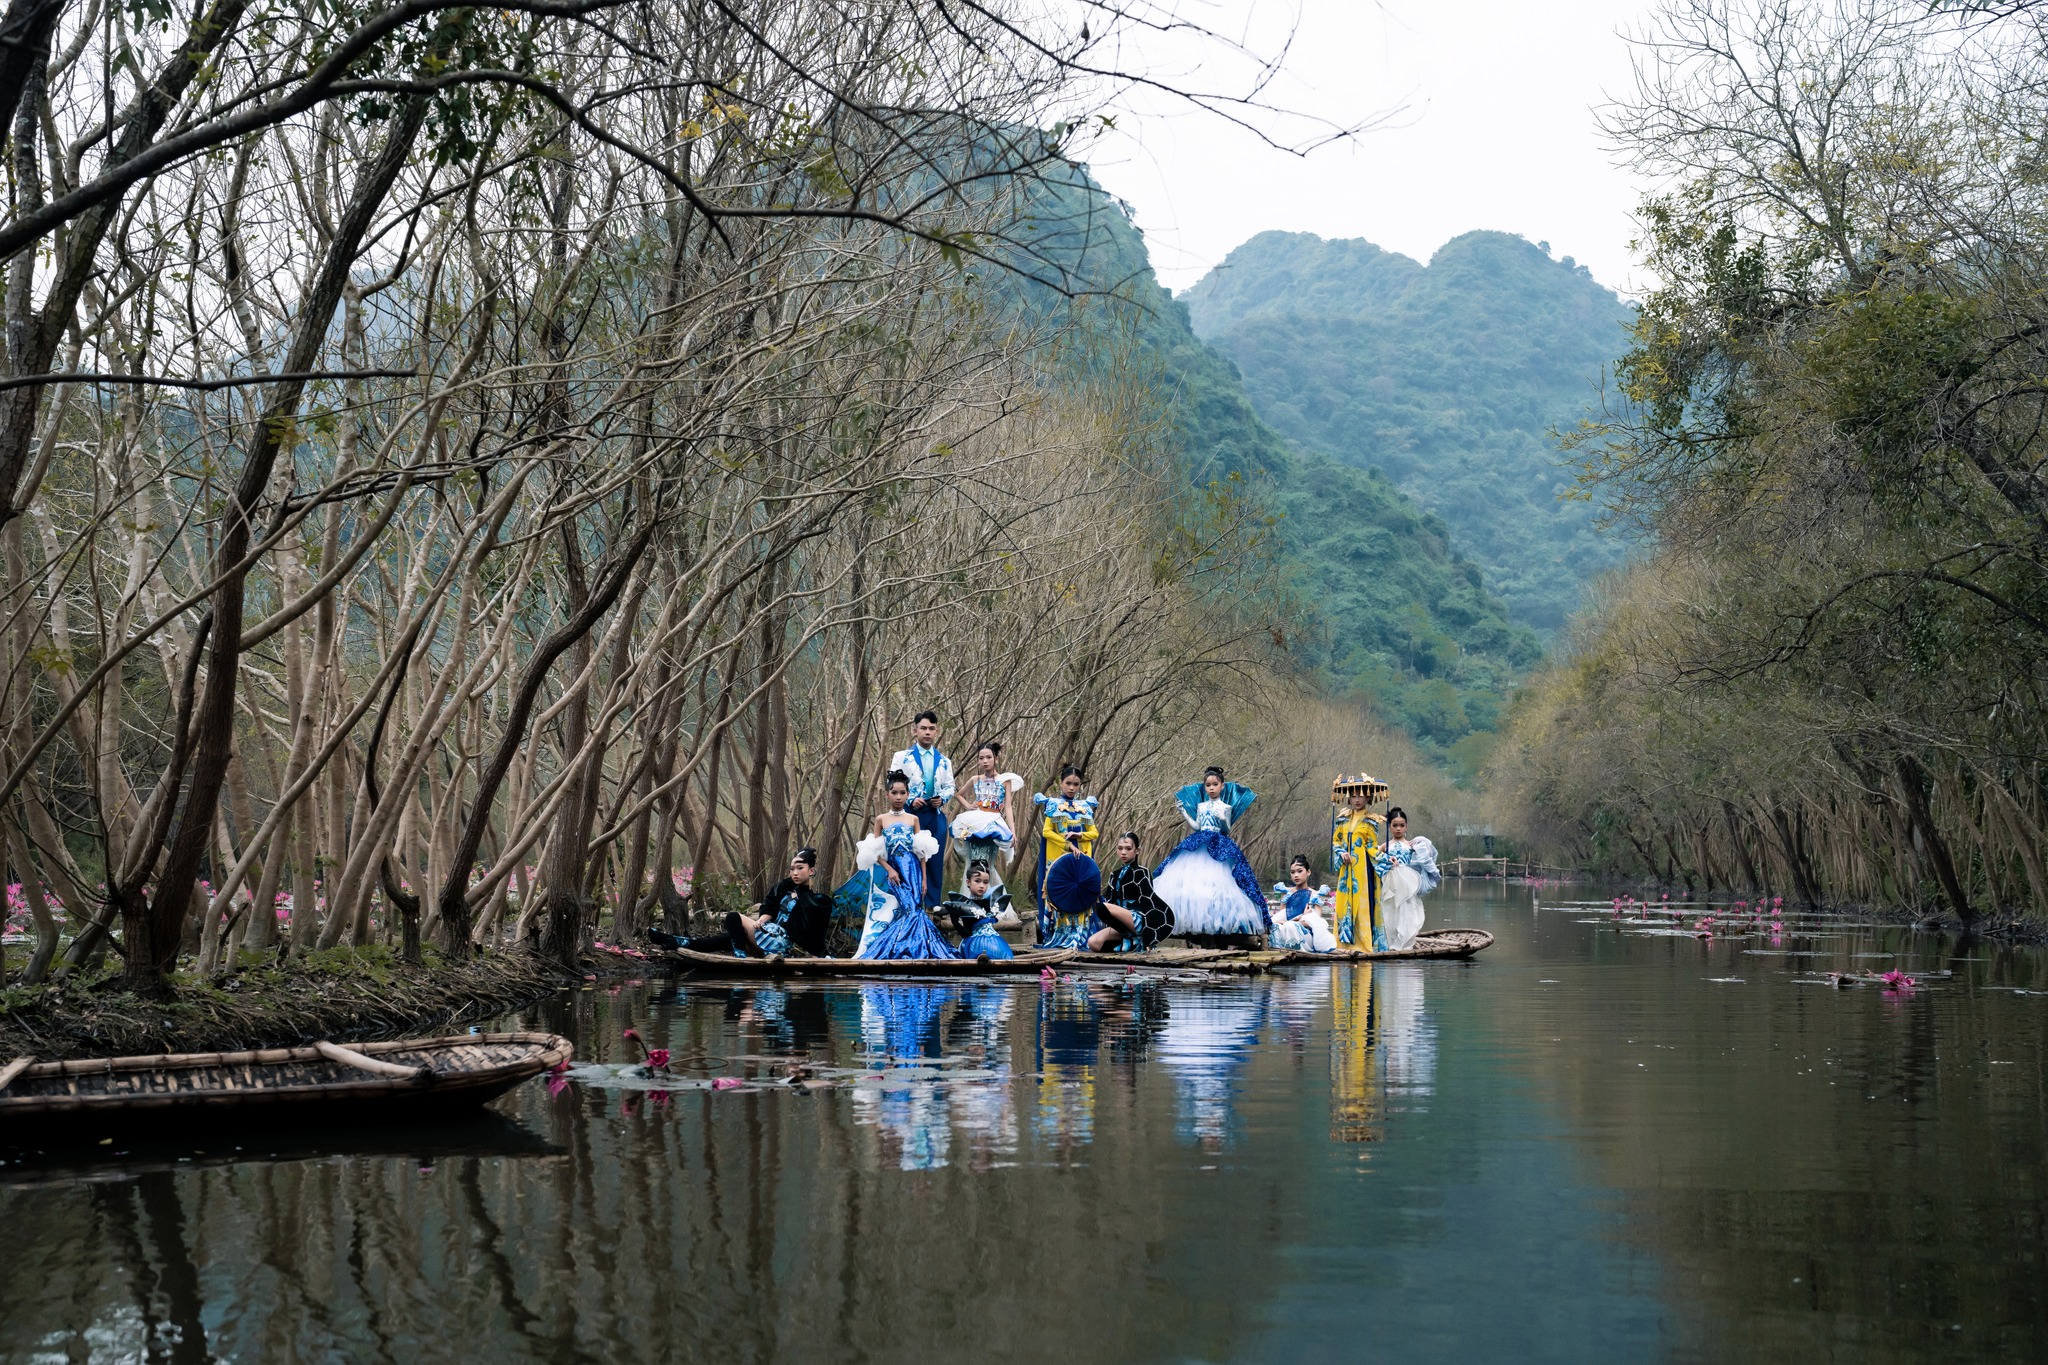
(1343, 787)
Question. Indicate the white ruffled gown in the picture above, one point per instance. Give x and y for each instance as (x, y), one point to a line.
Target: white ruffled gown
(1411, 873)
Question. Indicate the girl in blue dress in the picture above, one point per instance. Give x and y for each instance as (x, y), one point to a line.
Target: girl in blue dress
(899, 847)
(1212, 889)
(1301, 927)
(974, 913)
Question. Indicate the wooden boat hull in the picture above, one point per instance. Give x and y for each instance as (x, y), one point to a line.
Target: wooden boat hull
(1440, 944)
(276, 1085)
(1027, 962)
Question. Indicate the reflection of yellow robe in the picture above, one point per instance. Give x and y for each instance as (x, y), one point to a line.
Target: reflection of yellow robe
(1355, 1102)
(1355, 909)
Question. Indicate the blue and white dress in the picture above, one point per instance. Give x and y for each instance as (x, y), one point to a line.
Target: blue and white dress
(904, 929)
(1206, 879)
(931, 778)
(1301, 927)
(1408, 872)
(982, 831)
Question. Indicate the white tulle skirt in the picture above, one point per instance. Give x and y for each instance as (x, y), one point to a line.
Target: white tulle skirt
(1307, 932)
(1401, 915)
(984, 825)
(1205, 898)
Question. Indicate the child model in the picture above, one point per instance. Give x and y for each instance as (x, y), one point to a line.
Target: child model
(1206, 879)
(983, 826)
(1354, 845)
(974, 912)
(899, 847)
(1407, 868)
(1073, 892)
(1068, 826)
(1134, 919)
(1301, 927)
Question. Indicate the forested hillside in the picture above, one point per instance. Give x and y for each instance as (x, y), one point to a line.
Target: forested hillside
(1450, 378)
(1392, 611)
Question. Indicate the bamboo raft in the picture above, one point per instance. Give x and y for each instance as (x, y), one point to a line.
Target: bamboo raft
(1437, 944)
(1434, 944)
(367, 1083)
(1027, 962)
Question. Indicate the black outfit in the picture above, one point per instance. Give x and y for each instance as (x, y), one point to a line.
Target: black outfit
(805, 915)
(1131, 887)
(958, 914)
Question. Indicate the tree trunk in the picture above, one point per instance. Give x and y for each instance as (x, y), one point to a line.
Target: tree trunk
(454, 909)
(1927, 839)
(151, 954)
(1795, 861)
(1741, 848)
(839, 767)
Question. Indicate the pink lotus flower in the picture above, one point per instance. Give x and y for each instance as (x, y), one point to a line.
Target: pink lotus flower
(657, 1059)
(1897, 982)
(727, 1083)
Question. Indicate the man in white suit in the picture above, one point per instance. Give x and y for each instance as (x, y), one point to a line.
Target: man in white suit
(931, 790)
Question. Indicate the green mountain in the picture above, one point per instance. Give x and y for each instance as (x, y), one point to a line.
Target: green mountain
(1448, 378)
(1402, 619)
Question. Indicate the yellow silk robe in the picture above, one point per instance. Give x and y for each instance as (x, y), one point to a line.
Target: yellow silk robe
(1353, 843)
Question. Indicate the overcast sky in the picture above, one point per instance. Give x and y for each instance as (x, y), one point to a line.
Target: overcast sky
(1493, 128)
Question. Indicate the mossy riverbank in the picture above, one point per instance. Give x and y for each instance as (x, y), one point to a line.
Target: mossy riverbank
(338, 993)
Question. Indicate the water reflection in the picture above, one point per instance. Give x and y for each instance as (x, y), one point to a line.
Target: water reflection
(1597, 1142)
(921, 1087)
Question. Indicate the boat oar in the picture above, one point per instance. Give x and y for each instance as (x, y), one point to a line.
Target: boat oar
(13, 1069)
(335, 1052)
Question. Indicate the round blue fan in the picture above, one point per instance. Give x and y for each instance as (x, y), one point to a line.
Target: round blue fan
(1073, 884)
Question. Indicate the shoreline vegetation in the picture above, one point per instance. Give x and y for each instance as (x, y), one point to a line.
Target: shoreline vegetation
(336, 993)
(1829, 673)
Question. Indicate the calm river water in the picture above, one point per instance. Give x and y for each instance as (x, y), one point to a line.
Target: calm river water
(1599, 1142)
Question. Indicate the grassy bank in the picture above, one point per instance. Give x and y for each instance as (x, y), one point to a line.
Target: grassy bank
(338, 993)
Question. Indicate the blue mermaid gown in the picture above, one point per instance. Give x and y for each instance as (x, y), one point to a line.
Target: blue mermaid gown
(910, 933)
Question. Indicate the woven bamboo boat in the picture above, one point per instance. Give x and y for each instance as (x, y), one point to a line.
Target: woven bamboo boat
(328, 1083)
(1027, 962)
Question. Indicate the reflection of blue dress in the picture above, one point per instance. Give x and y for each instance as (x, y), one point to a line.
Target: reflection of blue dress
(1206, 879)
(911, 934)
(1206, 1042)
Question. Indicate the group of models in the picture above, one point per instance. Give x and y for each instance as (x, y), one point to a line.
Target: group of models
(1204, 890)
